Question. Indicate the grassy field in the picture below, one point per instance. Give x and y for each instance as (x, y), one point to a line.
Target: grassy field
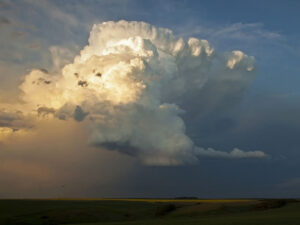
(149, 211)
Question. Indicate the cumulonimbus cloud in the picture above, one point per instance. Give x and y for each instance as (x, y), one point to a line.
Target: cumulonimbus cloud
(131, 84)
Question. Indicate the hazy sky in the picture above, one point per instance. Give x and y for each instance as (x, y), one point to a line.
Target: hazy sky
(195, 98)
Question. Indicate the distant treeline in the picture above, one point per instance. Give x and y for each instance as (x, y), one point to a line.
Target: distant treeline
(186, 197)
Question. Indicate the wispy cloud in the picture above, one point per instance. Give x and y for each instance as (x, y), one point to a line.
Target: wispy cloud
(236, 31)
(245, 31)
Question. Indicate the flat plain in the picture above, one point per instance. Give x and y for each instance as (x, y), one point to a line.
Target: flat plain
(150, 212)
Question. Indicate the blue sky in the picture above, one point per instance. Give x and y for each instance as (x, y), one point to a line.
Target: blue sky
(266, 118)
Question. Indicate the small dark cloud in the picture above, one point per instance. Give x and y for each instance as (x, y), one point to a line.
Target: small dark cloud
(42, 80)
(14, 120)
(82, 83)
(43, 70)
(121, 147)
(4, 20)
(61, 116)
(7, 118)
(79, 114)
(44, 111)
(99, 74)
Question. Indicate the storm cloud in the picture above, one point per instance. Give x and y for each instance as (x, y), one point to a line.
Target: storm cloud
(148, 80)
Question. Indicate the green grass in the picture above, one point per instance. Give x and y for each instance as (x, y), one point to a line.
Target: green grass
(145, 212)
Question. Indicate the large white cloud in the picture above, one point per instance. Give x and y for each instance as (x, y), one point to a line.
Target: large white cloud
(131, 84)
